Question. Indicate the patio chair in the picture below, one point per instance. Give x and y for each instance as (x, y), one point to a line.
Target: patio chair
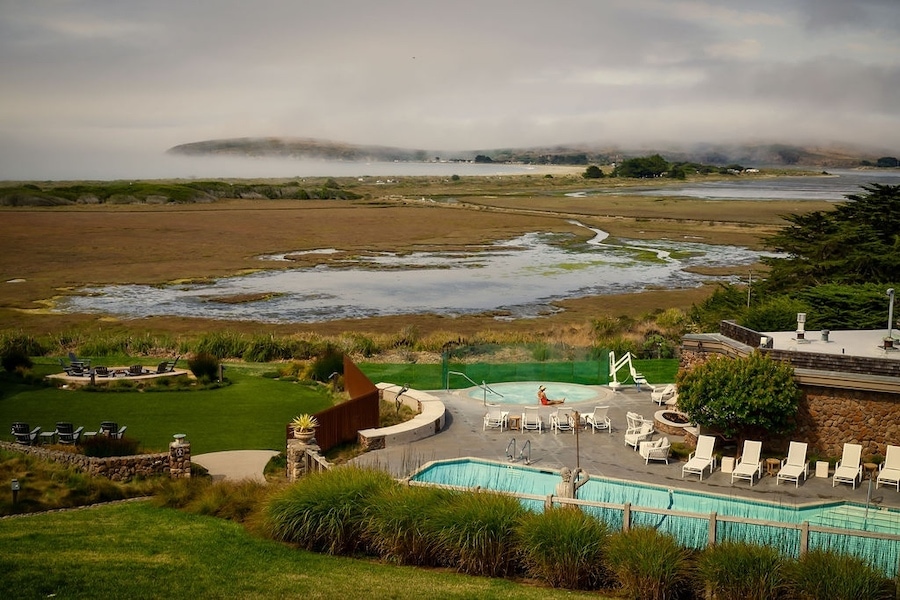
(71, 370)
(112, 430)
(531, 420)
(638, 433)
(749, 465)
(701, 458)
(889, 471)
(562, 420)
(101, 371)
(137, 370)
(661, 395)
(636, 377)
(79, 362)
(633, 419)
(658, 450)
(849, 468)
(599, 419)
(794, 465)
(495, 419)
(24, 434)
(67, 434)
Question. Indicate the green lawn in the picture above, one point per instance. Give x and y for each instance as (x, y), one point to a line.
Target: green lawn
(135, 550)
(249, 414)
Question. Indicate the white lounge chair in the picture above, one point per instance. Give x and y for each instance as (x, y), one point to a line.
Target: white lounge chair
(849, 468)
(889, 471)
(496, 419)
(637, 377)
(639, 433)
(531, 420)
(794, 465)
(599, 419)
(750, 465)
(701, 458)
(661, 395)
(562, 420)
(658, 450)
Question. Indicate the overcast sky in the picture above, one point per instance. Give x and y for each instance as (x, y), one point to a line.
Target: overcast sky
(90, 81)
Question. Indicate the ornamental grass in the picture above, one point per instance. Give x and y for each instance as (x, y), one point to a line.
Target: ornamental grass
(743, 571)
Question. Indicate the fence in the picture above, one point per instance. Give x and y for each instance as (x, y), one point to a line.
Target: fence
(695, 530)
(340, 423)
(539, 362)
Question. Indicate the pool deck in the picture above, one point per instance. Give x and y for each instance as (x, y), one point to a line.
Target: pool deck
(600, 453)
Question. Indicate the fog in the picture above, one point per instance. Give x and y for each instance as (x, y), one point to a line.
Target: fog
(93, 85)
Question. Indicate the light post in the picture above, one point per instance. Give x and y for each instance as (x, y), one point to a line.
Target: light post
(890, 294)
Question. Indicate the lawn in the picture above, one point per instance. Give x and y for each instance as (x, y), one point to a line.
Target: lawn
(135, 550)
(249, 414)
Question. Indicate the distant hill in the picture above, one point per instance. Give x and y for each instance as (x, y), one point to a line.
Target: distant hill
(576, 154)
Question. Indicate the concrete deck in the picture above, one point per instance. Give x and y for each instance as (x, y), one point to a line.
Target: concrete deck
(235, 464)
(600, 454)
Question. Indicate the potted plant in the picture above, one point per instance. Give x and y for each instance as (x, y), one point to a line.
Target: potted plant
(304, 427)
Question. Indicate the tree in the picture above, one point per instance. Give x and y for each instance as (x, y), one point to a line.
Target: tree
(642, 167)
(592, 172)
(857, 242)
(740, 397)
(887, 161)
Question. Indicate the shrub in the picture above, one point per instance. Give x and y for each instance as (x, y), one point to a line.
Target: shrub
(235, 501)
(15, 359)
(325, 512)
(102, 446)
(647, 564)
(399, 527)
(204, 366)
(564, 547)
(330, 361)
(476, 533)
(826, 575)
(739, 570)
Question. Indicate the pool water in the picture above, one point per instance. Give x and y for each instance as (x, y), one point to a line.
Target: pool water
(691, 531)
(526, 392)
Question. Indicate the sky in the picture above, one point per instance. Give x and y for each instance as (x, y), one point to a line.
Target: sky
(92, 84)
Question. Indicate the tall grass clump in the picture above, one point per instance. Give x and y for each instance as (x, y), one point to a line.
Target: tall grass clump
(266, 348)
(476, 533)
(326, 512)
(21, 343)
(740, 570)
(564, 548)
(222, 344)
(826, 575)
(204, 366)
(236, 501)
(400, 526)
(648, 565)
(330, 361)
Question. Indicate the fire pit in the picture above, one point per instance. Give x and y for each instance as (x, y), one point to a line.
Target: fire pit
(671, 421)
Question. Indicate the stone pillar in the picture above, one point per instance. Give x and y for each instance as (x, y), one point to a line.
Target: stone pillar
(180, 458)
(296, 457)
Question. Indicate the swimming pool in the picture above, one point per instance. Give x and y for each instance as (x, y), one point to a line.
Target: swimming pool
(525, 392)
(691, 530)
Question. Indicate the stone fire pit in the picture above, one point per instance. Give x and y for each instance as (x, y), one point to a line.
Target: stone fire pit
(671, 421)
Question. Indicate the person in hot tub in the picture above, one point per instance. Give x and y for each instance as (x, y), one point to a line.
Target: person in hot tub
(542, 396)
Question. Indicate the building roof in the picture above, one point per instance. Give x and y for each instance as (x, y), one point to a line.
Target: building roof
(854, 342)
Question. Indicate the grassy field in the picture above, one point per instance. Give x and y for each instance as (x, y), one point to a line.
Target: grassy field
(105, 552)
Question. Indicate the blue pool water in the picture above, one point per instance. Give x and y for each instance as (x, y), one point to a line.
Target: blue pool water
(526, 392)
(691, 531)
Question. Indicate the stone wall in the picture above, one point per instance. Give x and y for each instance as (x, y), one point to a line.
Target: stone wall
(304, 458)
(116, 468)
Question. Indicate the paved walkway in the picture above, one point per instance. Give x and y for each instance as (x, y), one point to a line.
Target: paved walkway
(235, 464)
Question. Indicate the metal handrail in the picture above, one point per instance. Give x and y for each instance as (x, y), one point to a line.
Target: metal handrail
(511, 455)
(483, 385)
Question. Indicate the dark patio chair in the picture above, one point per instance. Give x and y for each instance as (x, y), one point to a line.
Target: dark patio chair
(72, 370)
(79, 362)
(24, 434)
(67, 434)
(137, 370)
(112, 430)
(101, 371)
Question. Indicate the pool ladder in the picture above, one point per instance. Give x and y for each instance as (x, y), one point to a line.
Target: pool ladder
(525, 452)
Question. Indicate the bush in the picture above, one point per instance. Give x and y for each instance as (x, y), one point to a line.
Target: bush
(325, 512)
(329, 362)
(399, 527)
(477, 532)
(826, 575)
(15, 359)
(738, 570)
(102, 446)
(564, 547)
(204, 366)
(647, 564)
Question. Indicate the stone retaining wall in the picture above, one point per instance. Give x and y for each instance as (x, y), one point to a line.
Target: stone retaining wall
(176, 463)
(427, 423)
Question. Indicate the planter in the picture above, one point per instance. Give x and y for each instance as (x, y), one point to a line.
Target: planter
(304, 436)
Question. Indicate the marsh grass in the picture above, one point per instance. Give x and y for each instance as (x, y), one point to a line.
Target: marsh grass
(564, 548)
(648, 564)
(326, 511)
(477, 533)
(825, 575)
(739, 570)
(400, 526)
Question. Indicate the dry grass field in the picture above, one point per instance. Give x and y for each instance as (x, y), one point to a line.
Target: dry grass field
(48, 252)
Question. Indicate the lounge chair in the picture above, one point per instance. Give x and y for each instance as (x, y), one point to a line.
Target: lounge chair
(749, 465)
(641, 431)
(112, 430)
(496, 418)
(101, 371)
(889, 471)
(531, 420)
(137, 370)
(24, 434)
(599, 419)
(72, 370)
(702, 457)
(661, 395)
(658, 450)
(67, 434)
(636, 377)
(794, 465)
(562, 420)
(79, 362)
(849, 468)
